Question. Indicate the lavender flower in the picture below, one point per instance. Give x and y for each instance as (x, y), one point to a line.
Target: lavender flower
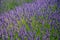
(34, 21)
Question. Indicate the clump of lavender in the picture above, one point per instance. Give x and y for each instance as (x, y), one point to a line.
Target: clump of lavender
(33, 21)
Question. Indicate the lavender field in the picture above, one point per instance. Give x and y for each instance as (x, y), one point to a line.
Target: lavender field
(30, 20)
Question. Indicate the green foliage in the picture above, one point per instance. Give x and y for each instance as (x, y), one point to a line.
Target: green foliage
(41, 17)
(25, 38)
(53, 34)
(53, 37)
(28, 1)
(41, 36)
(25, 23)
(47, 25)
(36, 25)
(0, 38)
(10, 26)
(10, 4)
(15, 36)
(53, 8)
(19, 24)
(8, 37)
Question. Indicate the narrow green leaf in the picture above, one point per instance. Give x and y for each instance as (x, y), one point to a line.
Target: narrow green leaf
(25, 23)
(19, 23)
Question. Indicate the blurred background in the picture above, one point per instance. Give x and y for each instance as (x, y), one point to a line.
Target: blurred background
(6, 5)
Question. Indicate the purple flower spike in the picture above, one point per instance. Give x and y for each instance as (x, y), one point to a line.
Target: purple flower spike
(22, 31)
(4, 31)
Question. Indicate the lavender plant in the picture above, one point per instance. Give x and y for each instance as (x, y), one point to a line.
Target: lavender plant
(32, 21)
